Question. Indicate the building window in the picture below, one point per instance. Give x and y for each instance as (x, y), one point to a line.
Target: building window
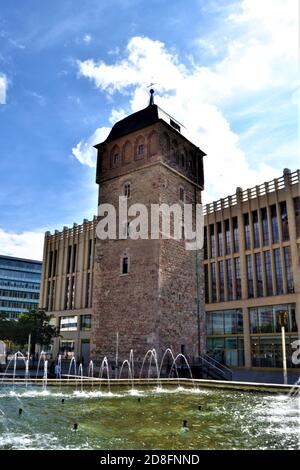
(125, 265)
(68, 323)
(116, 159)
(288, 269)
(50, 264)
(72, 306)
(127, 190)
(205, 242)
(250, 276)
(183, 160)
(89, 265)
(284, 221)
(181, 194)
(229, 280)
(222, 281)
(67, 294)
(55, 263)
(265, 227)
(87, 290)
(227, 237)
(238, 281)
(266, 351)
(268, 266)
(275, 233)
(247, 232)
(85, 322)
(74, 258)
(214, 282)
(206, 284)
(278, 272)
(235, 235)
(297, 215)
(66, 348)
(140, 149)
(259, 277)
(220, 239)
(212, 240)
(255, 229)
(69, 259)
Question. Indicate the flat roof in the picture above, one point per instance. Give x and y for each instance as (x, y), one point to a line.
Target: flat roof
(26, 260)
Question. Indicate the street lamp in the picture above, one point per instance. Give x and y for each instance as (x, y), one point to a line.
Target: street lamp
(283, 319)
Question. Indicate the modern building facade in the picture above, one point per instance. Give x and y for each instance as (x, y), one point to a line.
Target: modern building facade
(67, 282)
(252, 273)
(20, 281)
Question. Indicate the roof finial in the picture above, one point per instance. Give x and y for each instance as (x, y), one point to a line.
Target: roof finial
(151, 101)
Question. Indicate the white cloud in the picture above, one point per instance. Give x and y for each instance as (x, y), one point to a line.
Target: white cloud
(22, 245)
(3, 88)
(195, 95)
(87, 38)
(84, 150)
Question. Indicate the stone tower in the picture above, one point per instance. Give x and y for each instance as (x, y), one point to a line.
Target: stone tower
(146, 290)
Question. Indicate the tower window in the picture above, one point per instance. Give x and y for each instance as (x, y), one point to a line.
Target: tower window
(127, 189)
(181, 194)
(183, 160)
(116, 159)
(140, 150)
(125, 265)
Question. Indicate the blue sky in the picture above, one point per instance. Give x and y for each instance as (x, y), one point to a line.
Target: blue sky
(69, 69)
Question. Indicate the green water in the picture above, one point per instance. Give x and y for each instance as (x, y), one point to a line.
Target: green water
(228, 420)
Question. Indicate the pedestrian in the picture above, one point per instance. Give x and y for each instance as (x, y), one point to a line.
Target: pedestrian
(57, 371)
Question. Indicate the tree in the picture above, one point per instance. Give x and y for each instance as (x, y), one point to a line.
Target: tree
(37, 324)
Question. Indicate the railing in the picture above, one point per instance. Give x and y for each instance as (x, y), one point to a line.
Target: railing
(252, 193)
(214, 368)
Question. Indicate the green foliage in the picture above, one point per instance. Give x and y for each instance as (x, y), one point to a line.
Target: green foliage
(35, 322)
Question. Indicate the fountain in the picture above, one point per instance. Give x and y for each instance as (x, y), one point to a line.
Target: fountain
(230, 418)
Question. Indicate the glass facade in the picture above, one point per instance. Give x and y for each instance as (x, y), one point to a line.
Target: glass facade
(250, 276)
(229, 280)
(266, 351)
(275, 232)
(268, 267)
(265, 226)
(222, 281)
(227, 237)
(297, 215)
(235, 235)
(259, 277)
(284, 221)
(266, 319)
(223, 342)
(220, 239)
(68, 323)
(247, 232)
(212, 240)
(85, 322)
(255, 229)
(214, 282)
(19, 286)
(238, 280)
(278, 272)
(288, 269)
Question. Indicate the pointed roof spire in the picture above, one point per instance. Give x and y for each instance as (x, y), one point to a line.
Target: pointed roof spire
(151, 101)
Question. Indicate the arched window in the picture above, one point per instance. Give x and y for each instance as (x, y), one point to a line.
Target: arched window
(115, 157)
(125, 264)
(127, 189)
(140, 148)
